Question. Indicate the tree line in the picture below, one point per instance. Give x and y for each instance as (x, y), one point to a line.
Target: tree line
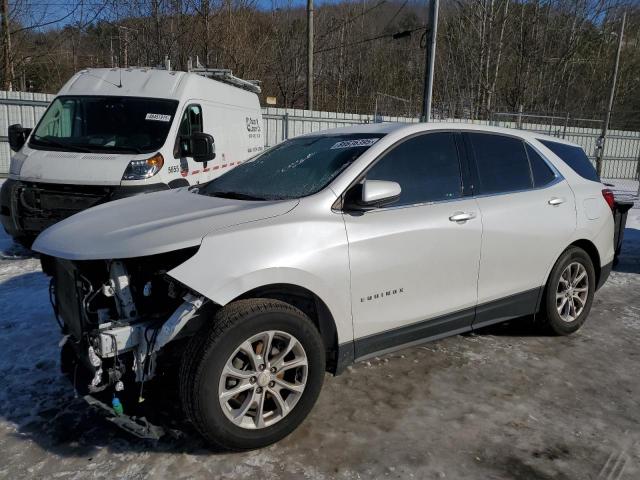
(548, 56)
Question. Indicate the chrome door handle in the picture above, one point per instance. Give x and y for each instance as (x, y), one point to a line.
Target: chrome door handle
(462, 216)
(555, 201)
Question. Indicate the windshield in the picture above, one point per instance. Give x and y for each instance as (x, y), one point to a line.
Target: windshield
(105, 124)
(293, 169)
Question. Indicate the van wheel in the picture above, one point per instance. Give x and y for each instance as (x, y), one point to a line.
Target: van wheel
(569, 292)
(250, 378)
(25, 241)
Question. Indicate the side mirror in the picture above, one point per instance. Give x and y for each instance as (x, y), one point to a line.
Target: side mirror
(202, 147)
(379, 193)
(372, 194)
(17, 136)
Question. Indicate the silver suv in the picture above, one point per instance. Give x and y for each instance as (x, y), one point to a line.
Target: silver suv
(324, 250)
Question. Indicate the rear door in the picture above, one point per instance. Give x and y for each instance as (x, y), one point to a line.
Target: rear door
(528, 217)
(414, 268)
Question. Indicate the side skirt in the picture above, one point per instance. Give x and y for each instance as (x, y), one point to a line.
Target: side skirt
(466, 320)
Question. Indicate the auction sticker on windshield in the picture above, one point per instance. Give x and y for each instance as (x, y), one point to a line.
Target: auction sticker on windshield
(158, 117)
(360, 142)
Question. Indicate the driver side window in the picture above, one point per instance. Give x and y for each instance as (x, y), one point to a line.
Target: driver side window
(426, 167)
(190, 123)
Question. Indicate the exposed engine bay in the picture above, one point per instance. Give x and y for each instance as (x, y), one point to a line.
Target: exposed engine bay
(117, 315)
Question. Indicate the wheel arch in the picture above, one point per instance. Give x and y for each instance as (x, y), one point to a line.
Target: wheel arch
(591, 250)
(311, 305)
(178, 183)
(589, 247)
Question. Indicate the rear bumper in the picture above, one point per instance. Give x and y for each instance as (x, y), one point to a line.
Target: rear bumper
(28, 208)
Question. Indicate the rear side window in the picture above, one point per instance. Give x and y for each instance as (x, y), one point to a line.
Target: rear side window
(426, 167)
(542, 173)
(502, 163)
(575, 158)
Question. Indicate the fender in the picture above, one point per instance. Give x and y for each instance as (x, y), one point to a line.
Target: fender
(311, 254)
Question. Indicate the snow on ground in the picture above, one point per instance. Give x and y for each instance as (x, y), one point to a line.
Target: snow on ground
(508, 402)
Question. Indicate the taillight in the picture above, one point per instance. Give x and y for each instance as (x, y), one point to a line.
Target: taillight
(608, 197)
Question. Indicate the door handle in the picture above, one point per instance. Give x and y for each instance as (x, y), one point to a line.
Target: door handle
(462, 217)
(555, 201)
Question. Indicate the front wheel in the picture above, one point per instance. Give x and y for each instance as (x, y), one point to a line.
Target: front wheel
(253, 377)
(569, 291)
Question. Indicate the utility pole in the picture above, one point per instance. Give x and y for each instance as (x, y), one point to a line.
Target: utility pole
(430, 59)
(309, 54)
(155, 10)
(7, 77)
(614, 78)
(111, 51)
(126, 48)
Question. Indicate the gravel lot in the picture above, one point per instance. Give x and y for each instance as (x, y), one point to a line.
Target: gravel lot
(504, 403)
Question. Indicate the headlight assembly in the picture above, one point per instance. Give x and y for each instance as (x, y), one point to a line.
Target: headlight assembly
(141, 169)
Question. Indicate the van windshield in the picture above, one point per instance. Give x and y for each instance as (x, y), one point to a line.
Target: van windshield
(293, 169)
(104, 124)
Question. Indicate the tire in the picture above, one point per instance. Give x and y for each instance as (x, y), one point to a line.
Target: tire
(206, 366)
(25, 241)
(567, 321)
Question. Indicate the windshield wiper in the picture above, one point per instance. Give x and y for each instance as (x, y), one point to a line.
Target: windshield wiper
(234, 195)
(104, 148)
(54, 143)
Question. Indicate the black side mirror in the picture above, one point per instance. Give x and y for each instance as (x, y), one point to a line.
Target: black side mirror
(201, 147)
(17, 136)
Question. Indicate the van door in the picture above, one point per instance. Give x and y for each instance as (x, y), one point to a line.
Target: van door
(190, 122)
(528, 218)
(414, 267)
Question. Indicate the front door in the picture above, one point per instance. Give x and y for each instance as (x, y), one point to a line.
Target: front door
(414, 264)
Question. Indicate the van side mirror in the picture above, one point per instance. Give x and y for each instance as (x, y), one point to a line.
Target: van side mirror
(17, 136)
(372, 194)
(201, 146)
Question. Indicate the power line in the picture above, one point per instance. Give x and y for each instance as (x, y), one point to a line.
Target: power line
(395, 35)
(352, 19)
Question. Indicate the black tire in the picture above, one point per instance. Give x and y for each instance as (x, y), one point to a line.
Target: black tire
(208, 351)
(553, 320)
(25, 241)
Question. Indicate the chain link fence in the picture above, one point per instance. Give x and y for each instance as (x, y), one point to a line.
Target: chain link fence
(621, 157)
(621, 160)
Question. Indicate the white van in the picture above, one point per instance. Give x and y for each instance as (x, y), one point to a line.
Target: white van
(113, 133)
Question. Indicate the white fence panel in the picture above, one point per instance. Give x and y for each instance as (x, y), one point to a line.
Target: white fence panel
(18, 107)
(622, 148)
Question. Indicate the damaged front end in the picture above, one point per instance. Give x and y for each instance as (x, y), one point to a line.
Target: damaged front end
(117, 317)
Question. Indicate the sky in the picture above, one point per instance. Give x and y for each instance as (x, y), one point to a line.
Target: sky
(53, 14)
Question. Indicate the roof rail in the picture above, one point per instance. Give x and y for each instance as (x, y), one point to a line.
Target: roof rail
(225, 75)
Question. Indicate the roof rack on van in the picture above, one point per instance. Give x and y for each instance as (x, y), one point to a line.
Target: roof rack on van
(225, 75)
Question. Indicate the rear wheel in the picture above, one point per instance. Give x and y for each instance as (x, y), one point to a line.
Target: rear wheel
(253, 377)
(569, 291)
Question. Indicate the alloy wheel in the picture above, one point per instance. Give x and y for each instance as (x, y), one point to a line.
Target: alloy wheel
(263, 379)
(572, 291)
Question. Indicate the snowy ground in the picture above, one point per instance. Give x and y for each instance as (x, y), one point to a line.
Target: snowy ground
(506, 403)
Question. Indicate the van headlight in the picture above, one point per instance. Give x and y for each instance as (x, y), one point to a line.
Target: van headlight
(141, 169)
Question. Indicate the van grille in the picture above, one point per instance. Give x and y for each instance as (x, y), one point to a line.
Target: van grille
(40, 205)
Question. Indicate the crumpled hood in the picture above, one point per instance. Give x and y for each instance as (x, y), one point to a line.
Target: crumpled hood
(149, 224)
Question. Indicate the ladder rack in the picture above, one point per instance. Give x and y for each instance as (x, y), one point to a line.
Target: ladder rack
(225, 75)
